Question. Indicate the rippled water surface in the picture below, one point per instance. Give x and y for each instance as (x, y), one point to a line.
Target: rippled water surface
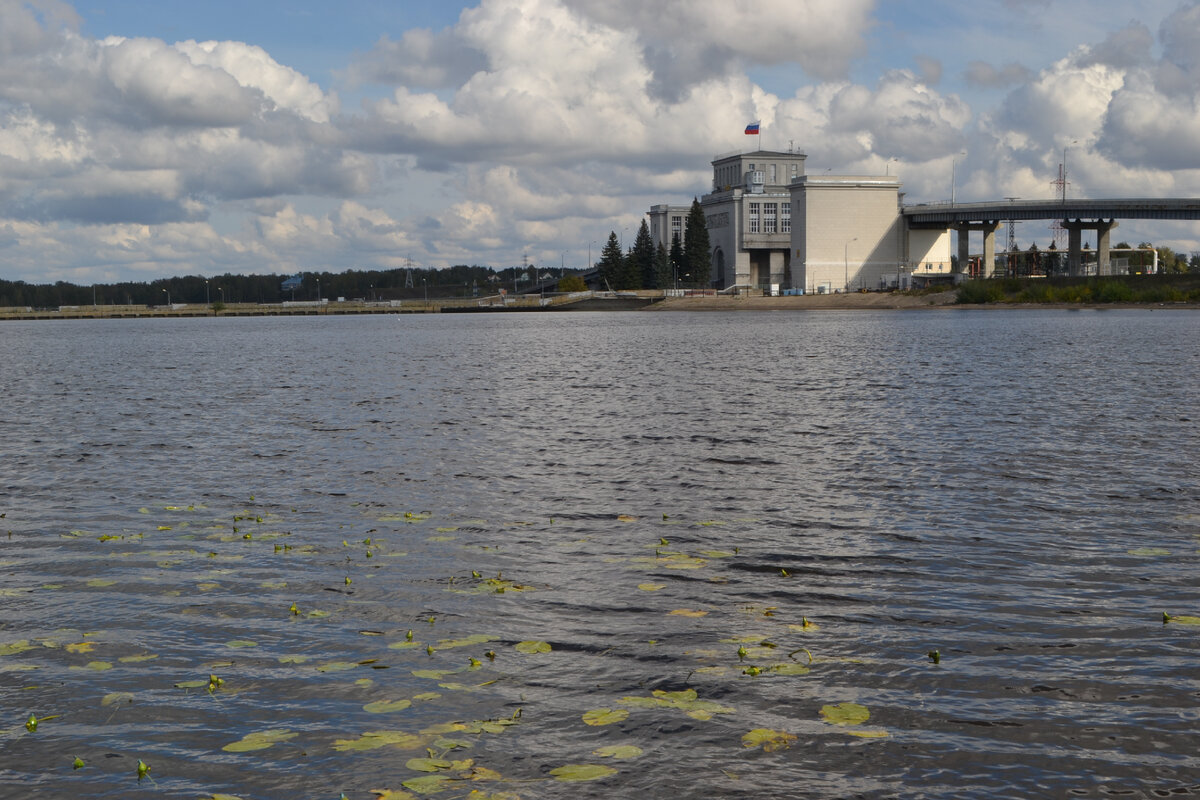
(717, 524)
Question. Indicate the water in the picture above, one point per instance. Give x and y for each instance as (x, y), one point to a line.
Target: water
(1015, 490)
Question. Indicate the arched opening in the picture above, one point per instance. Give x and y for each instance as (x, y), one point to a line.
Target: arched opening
(719, 263)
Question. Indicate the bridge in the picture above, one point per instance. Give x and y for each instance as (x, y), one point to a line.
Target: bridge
(1075, 216)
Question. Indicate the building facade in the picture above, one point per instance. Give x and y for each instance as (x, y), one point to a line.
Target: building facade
(772, 227)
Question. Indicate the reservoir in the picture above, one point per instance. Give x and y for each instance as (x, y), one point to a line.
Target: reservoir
(623, 555)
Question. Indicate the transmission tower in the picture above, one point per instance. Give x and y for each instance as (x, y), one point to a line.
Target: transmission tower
(1060, 186)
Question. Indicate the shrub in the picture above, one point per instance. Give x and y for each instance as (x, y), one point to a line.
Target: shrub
(572, 283)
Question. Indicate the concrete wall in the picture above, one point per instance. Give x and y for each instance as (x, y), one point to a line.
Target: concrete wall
(847, 232)
(929, 251)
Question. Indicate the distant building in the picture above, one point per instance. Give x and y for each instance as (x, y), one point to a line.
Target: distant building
(772, 226)
(292, 283)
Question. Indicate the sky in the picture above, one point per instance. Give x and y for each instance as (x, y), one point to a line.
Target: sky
(142, 140)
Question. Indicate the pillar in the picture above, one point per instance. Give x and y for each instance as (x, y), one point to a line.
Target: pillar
(1074, 247)
(988, 268)
(964, 246)
(1102, 235)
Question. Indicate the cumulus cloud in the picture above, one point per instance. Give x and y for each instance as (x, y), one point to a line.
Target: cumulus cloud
(421, 59)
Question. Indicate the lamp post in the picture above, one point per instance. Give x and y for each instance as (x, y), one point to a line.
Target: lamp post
(168, 294)
(846, 265)
(887, 166)
(207, 296)
(425, 286)
(318, 290)
(221, 289)
(952, 181)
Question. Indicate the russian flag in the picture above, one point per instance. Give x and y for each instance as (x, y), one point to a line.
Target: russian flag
(752, 128)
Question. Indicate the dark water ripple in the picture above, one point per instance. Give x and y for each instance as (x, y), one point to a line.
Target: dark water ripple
(1014, 490)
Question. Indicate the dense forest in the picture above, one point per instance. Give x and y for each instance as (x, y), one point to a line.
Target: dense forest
(396, 284)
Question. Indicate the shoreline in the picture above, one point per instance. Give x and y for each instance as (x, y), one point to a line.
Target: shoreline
(865, 301)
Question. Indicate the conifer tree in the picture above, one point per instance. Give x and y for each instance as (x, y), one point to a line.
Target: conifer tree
(611, 263)
(696, 247)
(676, 257)
(662, 268)
(642, 259)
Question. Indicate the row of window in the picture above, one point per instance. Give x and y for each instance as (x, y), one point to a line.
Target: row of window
(762, 218)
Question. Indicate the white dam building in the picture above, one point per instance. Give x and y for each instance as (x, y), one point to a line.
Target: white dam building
(772, 226)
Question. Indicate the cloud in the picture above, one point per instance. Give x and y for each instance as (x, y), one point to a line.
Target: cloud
(986, 76)
(687, 42)
(1123, 49)
(421, 59)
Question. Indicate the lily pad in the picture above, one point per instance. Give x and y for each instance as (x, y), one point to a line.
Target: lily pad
(387, 706)
(582, 772)
(845, 714)
(429, 784)
(619, 751)
(238, 643)
(605, 716)
(687, 612)
(1149, 551)
(769, 740)
(116, 697)
(372, 740)
(336, 666)
(259, 741)
(532, 647)
(478, 638)
(428, 764)
(651, 587)
(1181, 619)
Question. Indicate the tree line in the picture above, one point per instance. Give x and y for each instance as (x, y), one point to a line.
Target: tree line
(377, 285)
(688, 263)
(1053, 262)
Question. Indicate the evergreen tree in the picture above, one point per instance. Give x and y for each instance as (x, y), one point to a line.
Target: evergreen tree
(611, 263)
(642, 259)
(676, 257)
(662, 268)
(696, 247)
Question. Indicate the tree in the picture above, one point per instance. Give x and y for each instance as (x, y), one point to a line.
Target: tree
(641, 259)
(676, 258)
(697, 249)
(662, 268)
(572, 283)
(611, 263)
(1194, 262)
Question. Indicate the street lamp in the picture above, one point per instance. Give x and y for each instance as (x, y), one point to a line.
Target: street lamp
(221, 289)
(952, 160)
(207, 296)
(168, 294)
(425, 286)
(318, 290)
(846, 265)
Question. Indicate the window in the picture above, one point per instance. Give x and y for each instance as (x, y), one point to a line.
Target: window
(754, 217)
(785, 218)
(676, 227)
(768, 221)
(773, 175)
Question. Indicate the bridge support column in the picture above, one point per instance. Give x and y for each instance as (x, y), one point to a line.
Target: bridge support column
(1075, 231)
(964, 246)
(1074, 247)
(989, 249)
(1103, 229)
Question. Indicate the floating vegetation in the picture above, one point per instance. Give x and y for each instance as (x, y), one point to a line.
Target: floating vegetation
(620, 752)
(849, 715)
(259, 741)
(582, 772)
(1180, 619)
(532, 647)
(651, 587)
(769, 740)
(387, 706)
(686, 701)
(605, 716)
(373, 740)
